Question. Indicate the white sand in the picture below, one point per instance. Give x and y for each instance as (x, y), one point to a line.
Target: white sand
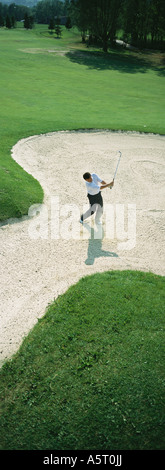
(34, 272)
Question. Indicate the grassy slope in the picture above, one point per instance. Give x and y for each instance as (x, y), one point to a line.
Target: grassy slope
(84, 89)
(90, 374)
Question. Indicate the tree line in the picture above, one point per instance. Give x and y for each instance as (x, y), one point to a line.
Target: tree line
(140, 22)
(9, 14)
(42, 13)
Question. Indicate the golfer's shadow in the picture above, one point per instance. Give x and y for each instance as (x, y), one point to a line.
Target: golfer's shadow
(95, 245)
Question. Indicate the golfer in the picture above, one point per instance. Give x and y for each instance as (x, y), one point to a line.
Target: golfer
(94, 186)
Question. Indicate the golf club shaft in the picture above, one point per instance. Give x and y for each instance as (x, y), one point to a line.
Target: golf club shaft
(116, 167)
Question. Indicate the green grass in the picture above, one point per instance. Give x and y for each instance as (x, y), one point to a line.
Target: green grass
(85, 88)
(90, 374)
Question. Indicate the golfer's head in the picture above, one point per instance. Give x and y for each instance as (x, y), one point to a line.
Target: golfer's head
(87, 177)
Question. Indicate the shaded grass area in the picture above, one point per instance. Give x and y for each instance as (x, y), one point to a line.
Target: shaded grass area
(44, 91)
(90, 374)
(121, 61)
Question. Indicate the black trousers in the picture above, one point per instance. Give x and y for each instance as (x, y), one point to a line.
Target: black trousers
(96, 205)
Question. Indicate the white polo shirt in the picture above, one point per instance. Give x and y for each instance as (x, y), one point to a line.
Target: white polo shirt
(93, 187)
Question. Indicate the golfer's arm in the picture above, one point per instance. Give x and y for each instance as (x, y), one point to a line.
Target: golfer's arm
(107, 185)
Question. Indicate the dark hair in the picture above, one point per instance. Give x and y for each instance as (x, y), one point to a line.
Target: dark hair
(86, 176)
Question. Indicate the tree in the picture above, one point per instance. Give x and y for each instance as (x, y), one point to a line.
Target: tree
(80, 15)
(68, 24)
(13, 21)
(15, 12)
(8, 22)
(105, 20)
(1, 20)
(157, 20)
(58, 30)
(98, 17)
(47, 9)
(28, 21)
(51, 25)
(144, 18)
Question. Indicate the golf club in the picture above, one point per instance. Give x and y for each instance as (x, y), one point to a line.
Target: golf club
(117, 167)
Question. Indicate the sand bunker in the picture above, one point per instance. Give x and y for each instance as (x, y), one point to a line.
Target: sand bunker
(35, 271)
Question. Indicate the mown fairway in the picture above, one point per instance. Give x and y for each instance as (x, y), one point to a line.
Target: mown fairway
(44, 91)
